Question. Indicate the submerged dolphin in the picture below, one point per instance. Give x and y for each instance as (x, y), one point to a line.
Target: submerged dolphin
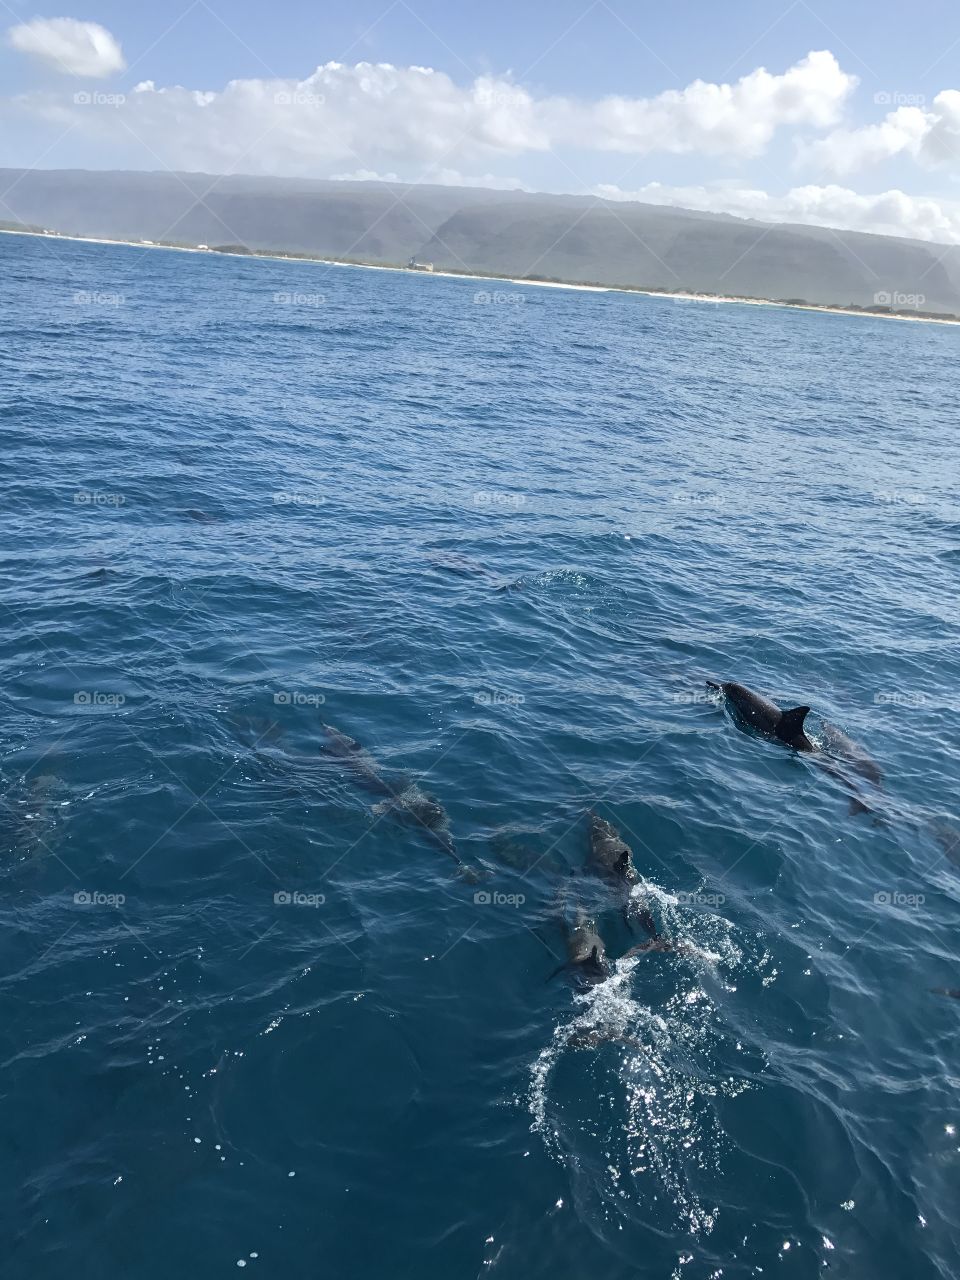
(836, 742)
(765, 717)
(403, 799)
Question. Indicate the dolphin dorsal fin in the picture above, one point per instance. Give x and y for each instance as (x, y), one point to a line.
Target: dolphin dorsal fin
(791, 723)
(623, 861)
(594, 956)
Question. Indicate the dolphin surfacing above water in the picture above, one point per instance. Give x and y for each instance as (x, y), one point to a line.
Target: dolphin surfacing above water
(761, 715)
(586, 952)
(611, 857)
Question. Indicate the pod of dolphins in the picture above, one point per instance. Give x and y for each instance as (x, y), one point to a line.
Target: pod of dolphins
(610, 858)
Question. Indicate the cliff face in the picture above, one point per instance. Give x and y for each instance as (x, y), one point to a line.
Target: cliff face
(579, 239)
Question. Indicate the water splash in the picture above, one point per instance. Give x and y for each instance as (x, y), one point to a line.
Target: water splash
(657, 1118)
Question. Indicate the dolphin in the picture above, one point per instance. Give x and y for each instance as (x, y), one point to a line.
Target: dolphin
(405, 800)
(611, 858)
(753, 711)
(586, 952)
(952, 992)
(838, 744)
(466, 567)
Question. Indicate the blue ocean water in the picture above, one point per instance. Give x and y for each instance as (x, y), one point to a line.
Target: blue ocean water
(249, 1019)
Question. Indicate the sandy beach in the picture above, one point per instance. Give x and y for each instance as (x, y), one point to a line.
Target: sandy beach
(678, 297)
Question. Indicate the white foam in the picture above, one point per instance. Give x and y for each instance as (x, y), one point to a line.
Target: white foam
(666, 1078)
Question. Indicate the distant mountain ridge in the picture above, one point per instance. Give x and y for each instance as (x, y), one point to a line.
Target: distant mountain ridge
(580, 239)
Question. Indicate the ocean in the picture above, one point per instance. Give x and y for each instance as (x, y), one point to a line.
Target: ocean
(254, 1014)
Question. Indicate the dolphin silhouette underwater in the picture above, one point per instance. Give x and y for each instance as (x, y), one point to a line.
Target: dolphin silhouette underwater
(404, 800)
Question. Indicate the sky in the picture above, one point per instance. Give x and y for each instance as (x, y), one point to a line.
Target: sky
(840, 114)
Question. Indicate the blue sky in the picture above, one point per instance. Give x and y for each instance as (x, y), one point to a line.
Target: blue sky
(567, 96)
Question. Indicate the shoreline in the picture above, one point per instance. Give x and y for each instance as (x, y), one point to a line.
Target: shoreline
(701, 299)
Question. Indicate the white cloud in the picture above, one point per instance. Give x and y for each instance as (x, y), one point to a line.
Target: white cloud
(887, 213)
(75, 48)
(738, 119)
(932, 138)
(380, 117)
